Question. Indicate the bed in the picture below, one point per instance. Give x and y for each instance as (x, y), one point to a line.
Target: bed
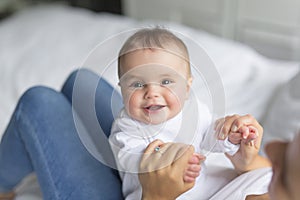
(42, 45)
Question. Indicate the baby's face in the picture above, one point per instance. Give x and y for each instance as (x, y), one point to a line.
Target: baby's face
(286, 169)
(154, 85)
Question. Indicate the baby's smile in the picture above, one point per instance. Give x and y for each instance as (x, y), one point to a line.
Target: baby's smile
(153, 108)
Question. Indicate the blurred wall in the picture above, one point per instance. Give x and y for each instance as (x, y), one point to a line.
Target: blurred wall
(271, 27)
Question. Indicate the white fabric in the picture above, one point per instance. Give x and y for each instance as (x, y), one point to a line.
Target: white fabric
(254, 182)
(129, 138)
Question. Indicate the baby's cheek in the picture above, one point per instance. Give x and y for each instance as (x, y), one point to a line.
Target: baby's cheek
(176, 99)
(133, 100)
(131, 103)
(175, 107)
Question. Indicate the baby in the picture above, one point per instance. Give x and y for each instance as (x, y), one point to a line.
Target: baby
(155, 80)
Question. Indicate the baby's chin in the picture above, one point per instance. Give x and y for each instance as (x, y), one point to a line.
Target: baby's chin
(155, 118)
(150, 120)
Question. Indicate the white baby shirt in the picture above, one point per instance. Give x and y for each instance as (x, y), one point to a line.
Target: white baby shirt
(129, 138)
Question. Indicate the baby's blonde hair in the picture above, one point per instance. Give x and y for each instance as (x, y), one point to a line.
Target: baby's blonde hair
(154, 38)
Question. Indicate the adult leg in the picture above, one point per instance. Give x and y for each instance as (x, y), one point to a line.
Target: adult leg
(95, 101)
(42, 136)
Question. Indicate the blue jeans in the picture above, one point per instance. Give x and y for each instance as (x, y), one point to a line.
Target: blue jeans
(42, 137)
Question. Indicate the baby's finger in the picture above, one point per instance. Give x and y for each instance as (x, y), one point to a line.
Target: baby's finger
(247, 120)
(253, 135)
(253, 131)
(194, 168)
(235, 137)
(196, 158)
(245, 131)
(192, 174)
(201, 157)
(188, 179)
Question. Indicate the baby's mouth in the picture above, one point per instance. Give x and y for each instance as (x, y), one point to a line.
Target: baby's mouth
(154, 107)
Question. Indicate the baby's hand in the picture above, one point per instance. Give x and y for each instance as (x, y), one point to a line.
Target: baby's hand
(194, 167)
(237, 128)
(248, 134)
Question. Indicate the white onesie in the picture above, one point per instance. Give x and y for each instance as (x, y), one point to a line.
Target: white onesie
(129, 138)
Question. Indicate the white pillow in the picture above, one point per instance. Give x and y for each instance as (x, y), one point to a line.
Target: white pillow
(283, 119)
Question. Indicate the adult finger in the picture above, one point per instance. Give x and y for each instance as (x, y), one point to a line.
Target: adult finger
(227, 126)
(159, 155)
(151, 147)
(151, 157)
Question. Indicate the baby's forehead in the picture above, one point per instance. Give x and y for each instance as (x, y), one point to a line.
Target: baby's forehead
(155, 67)
(167, 49)
(152, 71)
(157, 60)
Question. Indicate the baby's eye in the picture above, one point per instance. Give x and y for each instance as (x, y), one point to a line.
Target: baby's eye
(137, 85)
(166, 82)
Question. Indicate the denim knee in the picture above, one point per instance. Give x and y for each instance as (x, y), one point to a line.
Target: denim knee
(38, 103)
(39, 97)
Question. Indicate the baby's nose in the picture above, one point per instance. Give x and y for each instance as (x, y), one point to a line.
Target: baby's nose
(152, 91)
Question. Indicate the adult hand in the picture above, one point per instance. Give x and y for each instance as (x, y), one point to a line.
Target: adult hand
(247, 157)
(162, 171)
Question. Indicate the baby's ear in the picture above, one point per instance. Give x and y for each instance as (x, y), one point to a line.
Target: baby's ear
(188, 86)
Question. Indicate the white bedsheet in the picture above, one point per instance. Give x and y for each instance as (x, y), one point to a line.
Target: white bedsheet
(42, 45)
